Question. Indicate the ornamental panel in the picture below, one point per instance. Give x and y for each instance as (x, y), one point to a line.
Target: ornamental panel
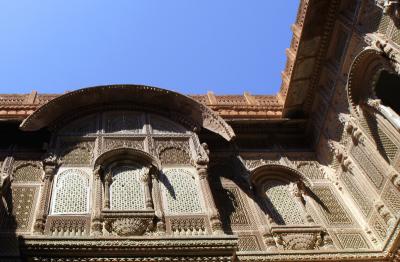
(71, 192)
(379, 226)
(392, 199)
(367, 165)
(311, 171)
(27, 172)
(127, 189)
(330, 207)
(173, 151)
(174, 156)
(363, 201)
(281, 204)
(114, 142)
(248, 243)
(76, 153)
(23, 203)
(180, 190)
(351, 241)
(372, 126)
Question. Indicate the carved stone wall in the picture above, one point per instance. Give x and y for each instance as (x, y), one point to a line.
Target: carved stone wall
(342, 202)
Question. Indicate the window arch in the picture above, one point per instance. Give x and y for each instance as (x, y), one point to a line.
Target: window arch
(127, 188)
(71, 193)
(387, 89)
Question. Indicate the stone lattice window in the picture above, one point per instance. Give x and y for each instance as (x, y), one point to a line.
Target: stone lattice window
(181, 192)
(127, 189)
(71, 192)
(281, 203)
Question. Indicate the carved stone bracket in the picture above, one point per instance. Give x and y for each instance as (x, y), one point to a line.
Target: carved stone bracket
(383, 46)
(50, 165)
(355, 132)
(341, 155)
(392, 9)
(301, 238)
(395, 178)
(384, 212)
(128, 224)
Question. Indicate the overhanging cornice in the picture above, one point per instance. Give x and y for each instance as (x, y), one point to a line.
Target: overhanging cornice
(165, 100)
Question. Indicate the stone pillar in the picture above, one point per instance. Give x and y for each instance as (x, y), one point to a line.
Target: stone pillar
(215, 221)
(107, 184)
(147, 185)
(50, 166)
(96, 225)
(161, 228)
(298, 191)
(202, 169)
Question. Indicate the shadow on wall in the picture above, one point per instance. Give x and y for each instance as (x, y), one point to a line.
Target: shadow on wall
(9, 243)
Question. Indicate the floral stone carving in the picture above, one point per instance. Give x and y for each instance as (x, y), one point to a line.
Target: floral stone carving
(307, 238)
(129, 226)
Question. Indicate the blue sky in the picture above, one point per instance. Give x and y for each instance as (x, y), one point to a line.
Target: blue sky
(189, 46)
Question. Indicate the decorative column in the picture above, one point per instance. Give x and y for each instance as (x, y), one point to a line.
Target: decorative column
(299, 192)
(49, 165)
(147, 184)
(161, 228)
(202, 169)
(5, 184)
(97, 226)
(107, 184)
(390, 115)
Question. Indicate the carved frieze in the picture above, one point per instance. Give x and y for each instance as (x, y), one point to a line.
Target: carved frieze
(118, 142)
(188, 226)
(67, 226)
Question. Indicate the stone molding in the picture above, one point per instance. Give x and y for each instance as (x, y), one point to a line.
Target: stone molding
(257, 107)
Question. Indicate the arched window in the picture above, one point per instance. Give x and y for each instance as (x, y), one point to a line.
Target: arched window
(71, 192)
(127, 188)
(181, 192)
(387, 89)
(281, 202)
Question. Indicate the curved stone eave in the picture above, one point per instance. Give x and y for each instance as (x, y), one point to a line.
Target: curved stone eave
(137, 94)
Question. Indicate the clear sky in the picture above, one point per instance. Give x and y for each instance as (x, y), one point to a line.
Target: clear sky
(190, 46)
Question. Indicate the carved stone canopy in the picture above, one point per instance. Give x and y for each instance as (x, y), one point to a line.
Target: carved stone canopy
(364, 71)
(126, 154)
(170, 102)
(261, 173)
